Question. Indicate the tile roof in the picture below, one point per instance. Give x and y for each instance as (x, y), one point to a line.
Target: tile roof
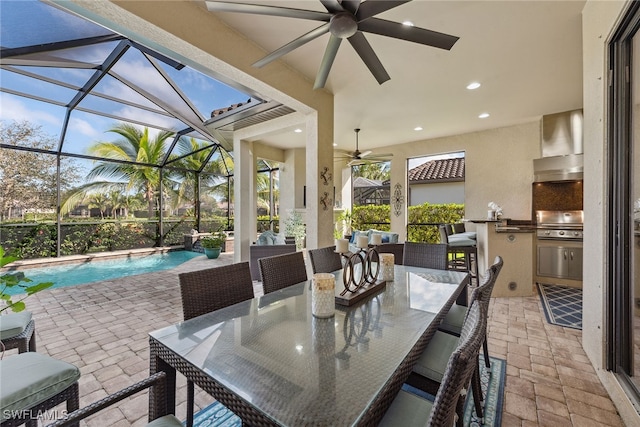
(231, 107)
(443, 170)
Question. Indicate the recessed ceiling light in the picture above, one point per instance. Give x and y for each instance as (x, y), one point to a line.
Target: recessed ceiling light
(473, 85)
(483, 116)
(335, 144)
(407, 23)
(417, 128)
(298, 130)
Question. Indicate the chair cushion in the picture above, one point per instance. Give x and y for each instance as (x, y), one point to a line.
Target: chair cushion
(266, 238)
(433, 360)
(467, 235)
(461, 241)
(31, 378)
(13, 324)
(166, 421)
(454, 319)
(407, 409)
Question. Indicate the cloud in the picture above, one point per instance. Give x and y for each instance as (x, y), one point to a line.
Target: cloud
(83, 127)
(12, 108)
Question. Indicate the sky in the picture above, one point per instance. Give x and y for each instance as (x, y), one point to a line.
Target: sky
(85, 128)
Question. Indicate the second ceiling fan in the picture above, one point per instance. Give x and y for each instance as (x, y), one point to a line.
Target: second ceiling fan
(346, 19)
(361, 158)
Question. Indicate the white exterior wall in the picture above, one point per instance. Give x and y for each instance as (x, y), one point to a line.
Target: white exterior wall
(443, 192)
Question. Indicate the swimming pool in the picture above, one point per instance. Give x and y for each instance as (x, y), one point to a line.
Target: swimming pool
(87, 272)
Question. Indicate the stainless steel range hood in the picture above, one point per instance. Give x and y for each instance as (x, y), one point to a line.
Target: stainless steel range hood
(561, 146)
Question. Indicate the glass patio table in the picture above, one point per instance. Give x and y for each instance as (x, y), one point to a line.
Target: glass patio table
(271, 362)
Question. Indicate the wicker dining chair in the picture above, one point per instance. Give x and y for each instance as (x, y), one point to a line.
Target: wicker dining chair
(426, 255)
(17, 330)
(452, 323)
(325, 260)
(409, 409)
(157, 381)
(204, 291)
(280, 271)
(397, 249)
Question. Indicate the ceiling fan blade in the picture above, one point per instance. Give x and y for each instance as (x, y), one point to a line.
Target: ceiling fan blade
(404, 32)
(258, 9)
(327, 61)
(369, 57)
(372, 8)
(306, 38)
(351, 5)
(365, 154)
(332, 6)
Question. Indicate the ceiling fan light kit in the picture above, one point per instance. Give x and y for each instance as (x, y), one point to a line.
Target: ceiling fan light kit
(346, 19)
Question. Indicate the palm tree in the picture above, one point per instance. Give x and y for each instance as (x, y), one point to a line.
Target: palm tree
(100, 202)
(135, 146)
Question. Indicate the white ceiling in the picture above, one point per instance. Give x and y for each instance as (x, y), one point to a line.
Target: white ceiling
(526, 54)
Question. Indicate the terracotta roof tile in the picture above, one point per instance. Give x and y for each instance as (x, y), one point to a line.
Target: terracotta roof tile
(220, 111)
(443, 170)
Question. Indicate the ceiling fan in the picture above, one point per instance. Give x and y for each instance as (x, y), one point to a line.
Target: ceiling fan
(360, 158)
(344, 19)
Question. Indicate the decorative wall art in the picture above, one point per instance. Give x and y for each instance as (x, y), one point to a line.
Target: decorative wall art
(398, 199)
(326, 176)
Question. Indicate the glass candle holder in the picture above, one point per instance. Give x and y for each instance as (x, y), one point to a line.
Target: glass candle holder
(387, 261)
(323, 295)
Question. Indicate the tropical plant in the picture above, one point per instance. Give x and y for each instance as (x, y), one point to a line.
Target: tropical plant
(294, 227)
(16, 280)
(216, 240)
(135, 146)
(100, 202)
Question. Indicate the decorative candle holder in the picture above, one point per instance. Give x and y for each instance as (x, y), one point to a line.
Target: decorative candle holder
(360, 269)
(388, 268)
(323, 295)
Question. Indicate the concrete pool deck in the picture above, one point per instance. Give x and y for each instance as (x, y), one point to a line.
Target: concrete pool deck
(103, 329)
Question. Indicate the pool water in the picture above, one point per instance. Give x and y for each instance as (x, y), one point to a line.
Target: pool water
(76, 274)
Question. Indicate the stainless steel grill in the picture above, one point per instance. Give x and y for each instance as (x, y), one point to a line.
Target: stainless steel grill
(560, 225)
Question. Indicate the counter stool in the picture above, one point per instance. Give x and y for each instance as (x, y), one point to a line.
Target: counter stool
(17, 330)
(33, 383)
(463, 252)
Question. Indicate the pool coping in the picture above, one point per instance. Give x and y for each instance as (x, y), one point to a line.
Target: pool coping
(76, 259)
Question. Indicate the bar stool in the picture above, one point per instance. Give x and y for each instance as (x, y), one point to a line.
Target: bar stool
(463, 252)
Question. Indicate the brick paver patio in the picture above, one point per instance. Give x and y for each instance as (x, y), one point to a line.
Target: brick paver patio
(103, 329)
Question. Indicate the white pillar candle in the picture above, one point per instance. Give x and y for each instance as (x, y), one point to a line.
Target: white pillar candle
(342, 246)
(323, 295)
(363, 242)
(387, 261)
(376, 239)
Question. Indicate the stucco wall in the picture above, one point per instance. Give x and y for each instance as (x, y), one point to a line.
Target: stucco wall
(498, 166)
(444, 192)
(599, 20)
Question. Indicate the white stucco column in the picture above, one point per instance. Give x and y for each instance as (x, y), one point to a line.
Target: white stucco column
(244, 199)
(319, 181)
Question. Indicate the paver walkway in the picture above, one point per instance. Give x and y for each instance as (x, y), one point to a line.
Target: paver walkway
(103, 329)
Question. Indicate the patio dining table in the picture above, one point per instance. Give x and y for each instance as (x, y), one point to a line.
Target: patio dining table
(271, 362)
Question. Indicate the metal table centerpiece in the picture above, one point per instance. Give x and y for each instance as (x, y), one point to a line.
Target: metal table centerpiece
(360, 270)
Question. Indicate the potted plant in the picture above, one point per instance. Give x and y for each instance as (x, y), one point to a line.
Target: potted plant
(16, 281)
(213, 244)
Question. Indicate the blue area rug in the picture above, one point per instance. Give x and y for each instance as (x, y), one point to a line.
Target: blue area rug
(562, 305)
(216, 415)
